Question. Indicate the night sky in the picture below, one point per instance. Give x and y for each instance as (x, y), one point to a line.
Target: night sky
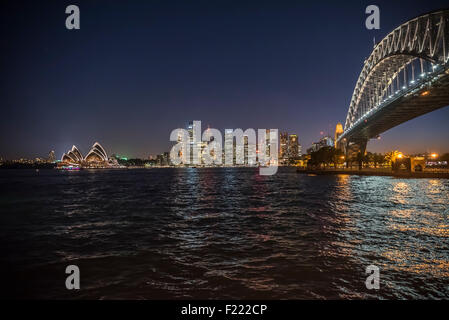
(138, 69)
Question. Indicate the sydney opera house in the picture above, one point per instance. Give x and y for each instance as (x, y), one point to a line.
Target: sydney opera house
(95, 158)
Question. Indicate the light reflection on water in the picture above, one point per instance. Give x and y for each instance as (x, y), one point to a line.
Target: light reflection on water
(224, 233)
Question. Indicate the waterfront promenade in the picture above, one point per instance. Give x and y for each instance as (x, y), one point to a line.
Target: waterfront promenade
(427, 173)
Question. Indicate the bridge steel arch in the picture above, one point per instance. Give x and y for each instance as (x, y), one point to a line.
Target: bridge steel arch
(405, 76)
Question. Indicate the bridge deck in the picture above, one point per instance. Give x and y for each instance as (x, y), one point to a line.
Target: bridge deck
(420, 101)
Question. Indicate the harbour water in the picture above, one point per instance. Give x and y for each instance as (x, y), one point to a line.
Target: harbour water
(222, 233)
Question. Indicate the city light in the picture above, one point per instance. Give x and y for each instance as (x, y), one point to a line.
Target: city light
(400, 156)
(434, 155)
(425, 93)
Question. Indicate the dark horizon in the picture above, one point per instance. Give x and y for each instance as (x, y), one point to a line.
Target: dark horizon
(135, 71)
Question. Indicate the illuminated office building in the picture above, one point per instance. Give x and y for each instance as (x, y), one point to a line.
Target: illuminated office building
(293, 147)
(283, 147)
(229, 147)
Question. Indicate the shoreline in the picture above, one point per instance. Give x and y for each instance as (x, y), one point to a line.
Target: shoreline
(419, 175)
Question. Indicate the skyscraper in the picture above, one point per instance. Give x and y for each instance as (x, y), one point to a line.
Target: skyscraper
(190, 143)
(195, 144)
(283, 149)
(293, 147)
(229, 147)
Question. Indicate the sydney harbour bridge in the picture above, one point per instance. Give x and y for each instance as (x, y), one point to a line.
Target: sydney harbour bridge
(406, 75)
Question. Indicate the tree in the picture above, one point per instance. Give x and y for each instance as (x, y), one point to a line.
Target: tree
(368, 158)
(390, 157)
(359, 158)
(326, 156)
(338, 157)
(444, 157)
(378, 159)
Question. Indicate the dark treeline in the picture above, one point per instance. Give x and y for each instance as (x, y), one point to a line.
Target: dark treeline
(136, 162)
(16, 165)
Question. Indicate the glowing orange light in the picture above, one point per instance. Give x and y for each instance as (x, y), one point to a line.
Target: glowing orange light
(400, 156)
(434, 155)
(425, 93)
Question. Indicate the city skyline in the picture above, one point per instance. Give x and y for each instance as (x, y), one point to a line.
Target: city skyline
(127, 78)
(322, 136)
(197, 152)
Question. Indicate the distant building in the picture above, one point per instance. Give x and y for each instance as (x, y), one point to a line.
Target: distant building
(190, 131)
(249, 151)
(159, 159)
(314, 147)
(289, 148)
(166, 159)
(293, 147)
(338, 133)
(51, 157)
(267, 144)
(325, 141)
(283, 147)
(229, 147)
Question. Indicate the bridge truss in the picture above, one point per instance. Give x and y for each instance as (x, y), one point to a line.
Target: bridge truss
(405, 76)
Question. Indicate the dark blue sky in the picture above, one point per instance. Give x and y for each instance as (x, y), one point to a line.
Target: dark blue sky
(138, 69)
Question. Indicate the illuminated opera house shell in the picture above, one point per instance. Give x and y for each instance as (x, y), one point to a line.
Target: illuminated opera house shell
(95, 155)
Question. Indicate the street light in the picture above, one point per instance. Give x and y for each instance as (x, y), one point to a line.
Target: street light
(434, 155)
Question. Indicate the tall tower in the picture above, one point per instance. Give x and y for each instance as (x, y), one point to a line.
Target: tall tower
(338, 133)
